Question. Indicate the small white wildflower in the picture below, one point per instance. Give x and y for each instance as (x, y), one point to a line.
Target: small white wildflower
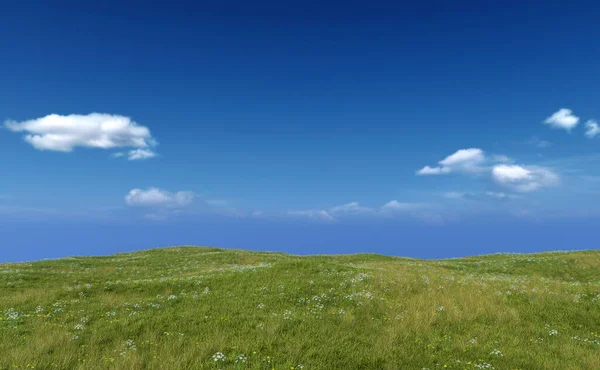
(440, 309)
(171, 297)
(260, 306)
(79, 327)
(130, 345)
(12, 314)
(240, 358)
(496, 352)
(553, 332)
(219, 356)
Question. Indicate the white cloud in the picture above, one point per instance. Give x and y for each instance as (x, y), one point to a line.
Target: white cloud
(478, 196)
(352, 208)
(157, 197)
(96, 130)
(321, 215)
(524, 179)
(394, 205)
(475, 162)
(592, 129)
(433, 171)
(464, 157)
(500, 195)
(563, 119)
(355, 209)
(136, 154)
(506, 173)
(502, 159)
(463, 160)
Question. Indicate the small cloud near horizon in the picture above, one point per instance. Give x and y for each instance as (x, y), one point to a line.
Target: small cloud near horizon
(155, 197)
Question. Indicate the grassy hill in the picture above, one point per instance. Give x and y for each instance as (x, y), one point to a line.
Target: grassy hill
(209, 308)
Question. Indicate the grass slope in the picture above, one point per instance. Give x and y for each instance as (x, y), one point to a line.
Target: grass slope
(209, 308)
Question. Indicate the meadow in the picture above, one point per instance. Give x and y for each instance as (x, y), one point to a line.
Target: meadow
(210, 308)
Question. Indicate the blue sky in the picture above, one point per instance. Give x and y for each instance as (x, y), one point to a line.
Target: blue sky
(429, 129)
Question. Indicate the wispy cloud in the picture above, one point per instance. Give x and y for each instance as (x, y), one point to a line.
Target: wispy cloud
(433, 171)
(154, 197)
(457, 195)
(563, 119)
(500, 158)
(394, 206)
(501, 195)
(524, 179)
(321, 215)
(354, 209)
(96, 130)
(536, 142)
(479, 196)
(470, 161)
(136, 154)
(592, 129)
(463, 160)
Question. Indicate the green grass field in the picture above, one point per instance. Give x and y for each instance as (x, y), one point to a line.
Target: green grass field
(209, 308)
